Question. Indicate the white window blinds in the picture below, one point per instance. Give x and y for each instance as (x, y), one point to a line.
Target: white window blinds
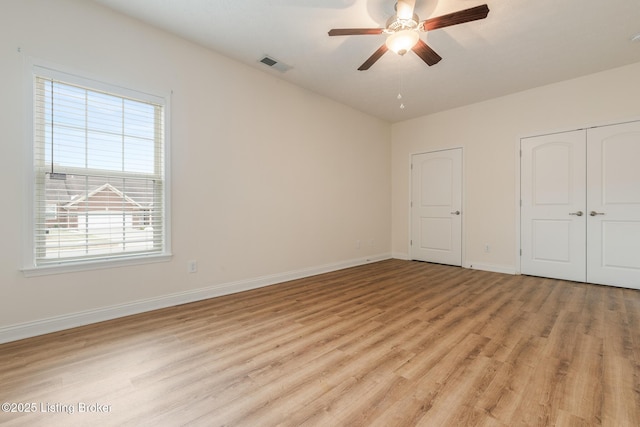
(99, 174)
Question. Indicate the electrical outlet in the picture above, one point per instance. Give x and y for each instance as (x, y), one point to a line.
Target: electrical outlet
(192, 266)
(358, 244)
(486, 248)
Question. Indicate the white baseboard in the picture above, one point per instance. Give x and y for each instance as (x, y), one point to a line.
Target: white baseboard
(400, 255)
(67, 321)
(472, 265)
(491, 267)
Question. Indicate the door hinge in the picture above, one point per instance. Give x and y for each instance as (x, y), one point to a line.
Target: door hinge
(410, 242)
(412, 203)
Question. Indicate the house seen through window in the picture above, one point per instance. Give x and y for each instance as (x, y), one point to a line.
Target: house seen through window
(99, 173)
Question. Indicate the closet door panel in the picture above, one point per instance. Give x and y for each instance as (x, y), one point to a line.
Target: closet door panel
(613, 205)
(553, 204)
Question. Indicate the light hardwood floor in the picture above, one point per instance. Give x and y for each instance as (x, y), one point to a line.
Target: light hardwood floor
(395, 343)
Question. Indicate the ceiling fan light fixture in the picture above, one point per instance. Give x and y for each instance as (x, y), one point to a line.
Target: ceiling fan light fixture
(402, 41)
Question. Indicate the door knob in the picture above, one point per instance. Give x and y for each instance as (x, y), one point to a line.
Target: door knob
(594, 213)
(455, 213)
(579, 213)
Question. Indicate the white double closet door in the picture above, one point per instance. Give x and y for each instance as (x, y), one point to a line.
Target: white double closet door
(580, 205)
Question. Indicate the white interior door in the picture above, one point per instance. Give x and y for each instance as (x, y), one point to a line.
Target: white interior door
(553, 217)
(436, 207)
(613, 201)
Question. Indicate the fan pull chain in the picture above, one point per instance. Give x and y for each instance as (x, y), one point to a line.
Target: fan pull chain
(401, 87)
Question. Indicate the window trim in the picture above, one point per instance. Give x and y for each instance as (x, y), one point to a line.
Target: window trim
(43, 69)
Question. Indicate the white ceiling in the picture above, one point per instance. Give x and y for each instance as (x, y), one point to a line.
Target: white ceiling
(520, 45)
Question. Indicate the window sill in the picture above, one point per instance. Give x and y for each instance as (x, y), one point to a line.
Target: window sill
(94, 265)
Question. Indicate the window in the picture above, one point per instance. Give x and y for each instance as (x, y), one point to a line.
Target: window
(99, 172)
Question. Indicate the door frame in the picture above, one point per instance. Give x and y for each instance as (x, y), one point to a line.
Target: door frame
(463, 246)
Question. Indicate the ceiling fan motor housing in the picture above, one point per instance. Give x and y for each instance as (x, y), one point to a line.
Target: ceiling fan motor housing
(395, 24)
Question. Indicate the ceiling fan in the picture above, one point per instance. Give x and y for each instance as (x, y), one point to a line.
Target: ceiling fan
(403, 31)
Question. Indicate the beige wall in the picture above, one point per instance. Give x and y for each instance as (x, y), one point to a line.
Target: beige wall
(489, 133)
(269, 181)
(267, 178)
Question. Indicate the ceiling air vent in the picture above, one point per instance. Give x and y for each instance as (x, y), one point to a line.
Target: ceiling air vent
(275, 64)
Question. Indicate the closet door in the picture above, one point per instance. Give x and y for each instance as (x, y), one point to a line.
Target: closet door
(553, 218)
(613, 197)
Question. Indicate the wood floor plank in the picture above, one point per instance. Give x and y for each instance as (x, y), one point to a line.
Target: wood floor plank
(583, 395)
(395, 342)
(504, 393)
(463, 385)
(620, 407)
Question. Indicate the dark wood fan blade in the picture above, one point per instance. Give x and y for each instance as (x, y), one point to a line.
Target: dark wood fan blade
(425, 53)
(373, 58)
(354, 31)
(460, 17)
